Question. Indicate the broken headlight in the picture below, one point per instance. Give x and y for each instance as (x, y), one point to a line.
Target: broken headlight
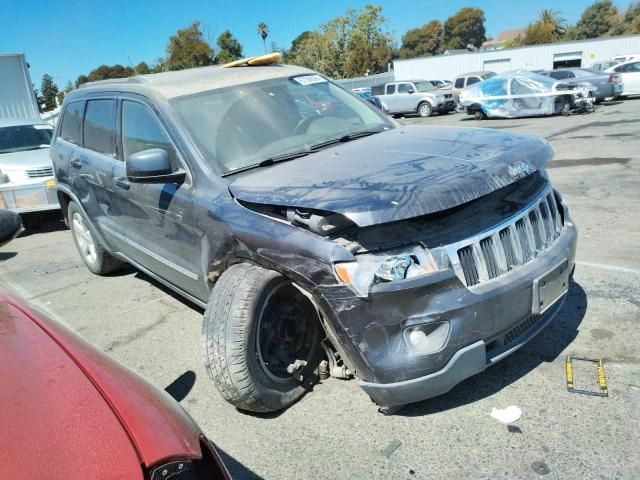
(388, 266)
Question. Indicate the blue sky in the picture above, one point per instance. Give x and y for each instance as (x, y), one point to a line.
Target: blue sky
(66, 38)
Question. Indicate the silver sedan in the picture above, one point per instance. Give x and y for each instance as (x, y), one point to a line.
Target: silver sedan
(603, 85)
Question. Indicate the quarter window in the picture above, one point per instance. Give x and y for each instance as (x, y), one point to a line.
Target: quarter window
(72, 123)
(99, 131)
(141, 130)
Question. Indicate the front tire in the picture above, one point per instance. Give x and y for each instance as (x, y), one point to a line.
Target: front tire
(256, 324)
(94, 255)
(425, 110)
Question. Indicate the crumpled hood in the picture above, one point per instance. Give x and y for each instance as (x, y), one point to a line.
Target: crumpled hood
(398, 174)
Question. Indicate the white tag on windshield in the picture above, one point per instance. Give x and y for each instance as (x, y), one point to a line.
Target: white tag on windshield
(309, 79)
(43, 127)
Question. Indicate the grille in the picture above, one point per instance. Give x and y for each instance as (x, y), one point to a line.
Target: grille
(447, 95)
(518, 241)
(40, 172)
(520, 329)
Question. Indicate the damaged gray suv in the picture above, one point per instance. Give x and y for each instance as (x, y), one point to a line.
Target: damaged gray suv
(322, 237)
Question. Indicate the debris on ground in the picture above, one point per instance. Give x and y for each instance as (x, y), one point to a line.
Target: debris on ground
(506, 415)
(392, 447)
(540, 467)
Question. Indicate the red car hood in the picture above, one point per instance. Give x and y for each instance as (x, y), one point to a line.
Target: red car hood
(70, 411)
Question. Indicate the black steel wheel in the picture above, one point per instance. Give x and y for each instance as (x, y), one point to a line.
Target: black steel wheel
(261, 339)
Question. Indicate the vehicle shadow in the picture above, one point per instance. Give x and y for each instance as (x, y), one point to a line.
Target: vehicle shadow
(42, 222)
(160, 286)
(237, 470)
(181, 386)
(545, 347)
(7, 255)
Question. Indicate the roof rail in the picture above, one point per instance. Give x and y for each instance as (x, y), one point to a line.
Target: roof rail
(111, 81)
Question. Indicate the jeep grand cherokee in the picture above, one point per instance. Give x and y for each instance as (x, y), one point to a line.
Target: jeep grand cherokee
(322, 237)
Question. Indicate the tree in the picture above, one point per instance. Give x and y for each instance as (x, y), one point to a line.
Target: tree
(263, 31)
(631, 21)
(351, 45)
(106, 72)
(142, 68)
(466, 27)
(229, 49)
(549, 28)
(600, 18)
(422, 41)
(49, 91)
(188, 49)
(81, 79)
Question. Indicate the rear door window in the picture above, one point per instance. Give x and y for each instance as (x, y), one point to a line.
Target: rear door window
(71, 127)
(472, 80)
(459, 83)
(99, 131)
(391, 89)
(141, 130)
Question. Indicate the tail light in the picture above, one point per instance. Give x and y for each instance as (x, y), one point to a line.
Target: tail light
(613, 78)
(209, 467)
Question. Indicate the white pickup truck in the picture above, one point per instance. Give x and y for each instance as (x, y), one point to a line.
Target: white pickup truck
(419, 97)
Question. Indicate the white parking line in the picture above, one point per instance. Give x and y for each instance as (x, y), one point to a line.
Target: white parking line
(612, 268)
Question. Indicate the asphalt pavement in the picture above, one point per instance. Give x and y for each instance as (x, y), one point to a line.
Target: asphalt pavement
(336, 432)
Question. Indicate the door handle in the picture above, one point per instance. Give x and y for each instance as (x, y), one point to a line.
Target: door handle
(122, 183)
(76, 163)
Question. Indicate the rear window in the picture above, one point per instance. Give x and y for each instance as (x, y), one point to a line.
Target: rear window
(99, 130)
(559, 75)
(70, 129)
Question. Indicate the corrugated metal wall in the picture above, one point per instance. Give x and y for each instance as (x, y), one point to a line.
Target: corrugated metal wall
(368, 81)
(17, 99)
(447, 67)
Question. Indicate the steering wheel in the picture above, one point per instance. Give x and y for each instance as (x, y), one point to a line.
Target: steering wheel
(304, 123)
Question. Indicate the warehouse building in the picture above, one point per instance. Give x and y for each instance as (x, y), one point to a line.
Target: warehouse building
(582, 53)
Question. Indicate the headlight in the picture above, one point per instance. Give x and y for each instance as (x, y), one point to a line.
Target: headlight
(4, 178)
(389, 266)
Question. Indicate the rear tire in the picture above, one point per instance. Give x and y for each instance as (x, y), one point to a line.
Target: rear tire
(479, 115)
(256, 324)
(97, 259)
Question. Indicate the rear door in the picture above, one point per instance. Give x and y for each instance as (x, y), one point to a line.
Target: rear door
(64, 150)
(94, 165)
(158, 218)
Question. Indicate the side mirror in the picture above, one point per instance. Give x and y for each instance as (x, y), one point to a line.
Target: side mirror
(152, 166)
(10, 226)
(411, 90)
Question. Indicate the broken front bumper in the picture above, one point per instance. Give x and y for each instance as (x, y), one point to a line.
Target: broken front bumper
(485, 325)
(31, 197)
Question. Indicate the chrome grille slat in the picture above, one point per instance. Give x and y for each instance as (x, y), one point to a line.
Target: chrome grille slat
(39, 172)
(513, 243)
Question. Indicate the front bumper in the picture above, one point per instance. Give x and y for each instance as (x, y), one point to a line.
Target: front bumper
(465, 363)
(486, 323)
(31, 197)
(446, 106)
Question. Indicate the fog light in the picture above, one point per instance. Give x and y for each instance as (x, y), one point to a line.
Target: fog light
(427, 338)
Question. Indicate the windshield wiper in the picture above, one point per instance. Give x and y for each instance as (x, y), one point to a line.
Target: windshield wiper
(345, 138)
(284, 157)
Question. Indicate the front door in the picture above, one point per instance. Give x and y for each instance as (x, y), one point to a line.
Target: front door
(158, 219)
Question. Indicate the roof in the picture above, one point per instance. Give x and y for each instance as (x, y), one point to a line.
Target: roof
(15, 122)
(505, 36)
(479, 73)
(195, 80)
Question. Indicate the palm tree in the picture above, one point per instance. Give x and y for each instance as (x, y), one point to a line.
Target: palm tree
(553, 20)
(263, 31)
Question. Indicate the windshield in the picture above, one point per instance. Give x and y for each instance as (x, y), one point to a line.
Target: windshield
(246, 124)
(425, 86)
(24, 137)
